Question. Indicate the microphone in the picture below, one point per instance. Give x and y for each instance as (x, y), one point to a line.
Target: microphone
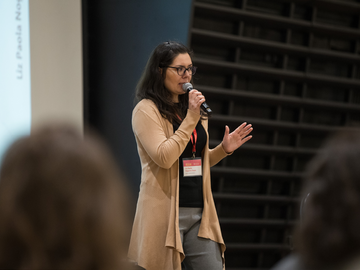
(187, 87)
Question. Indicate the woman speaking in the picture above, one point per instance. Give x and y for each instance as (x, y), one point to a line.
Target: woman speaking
(176, 224)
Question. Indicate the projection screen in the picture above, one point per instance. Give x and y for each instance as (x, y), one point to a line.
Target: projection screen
(40, 66)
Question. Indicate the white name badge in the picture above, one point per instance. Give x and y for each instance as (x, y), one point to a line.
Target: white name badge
(192, 167)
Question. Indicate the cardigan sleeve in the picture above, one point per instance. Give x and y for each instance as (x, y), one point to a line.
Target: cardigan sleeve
(148, 128)
(216, 154)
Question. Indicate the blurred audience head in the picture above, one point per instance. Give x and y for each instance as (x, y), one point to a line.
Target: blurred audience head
(330, 232)
(62, 203)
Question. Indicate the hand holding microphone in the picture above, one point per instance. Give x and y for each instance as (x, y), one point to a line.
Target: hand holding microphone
(187, 87)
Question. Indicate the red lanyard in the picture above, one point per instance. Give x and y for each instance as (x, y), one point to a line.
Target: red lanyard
(193, 139)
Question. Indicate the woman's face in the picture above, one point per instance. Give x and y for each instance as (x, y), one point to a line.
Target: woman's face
(173, 81)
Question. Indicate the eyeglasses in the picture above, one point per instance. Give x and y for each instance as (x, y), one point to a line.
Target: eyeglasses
(181, 70)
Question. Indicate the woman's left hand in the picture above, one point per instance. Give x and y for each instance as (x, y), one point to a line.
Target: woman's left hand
(238, 137)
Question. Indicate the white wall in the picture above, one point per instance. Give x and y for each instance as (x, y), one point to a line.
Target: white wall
(56, 62)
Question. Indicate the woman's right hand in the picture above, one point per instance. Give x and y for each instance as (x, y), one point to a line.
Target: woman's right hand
(196, 98)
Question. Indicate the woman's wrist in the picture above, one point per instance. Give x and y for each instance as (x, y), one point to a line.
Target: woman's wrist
(228, 153)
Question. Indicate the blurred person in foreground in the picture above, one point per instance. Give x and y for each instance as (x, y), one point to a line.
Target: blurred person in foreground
(328, 236)
(62, 204)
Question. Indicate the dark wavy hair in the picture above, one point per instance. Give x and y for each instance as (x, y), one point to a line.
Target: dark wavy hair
(63, 203)
(329, 234)
(151, 84)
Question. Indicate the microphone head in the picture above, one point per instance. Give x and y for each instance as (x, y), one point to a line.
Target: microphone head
(187, 87)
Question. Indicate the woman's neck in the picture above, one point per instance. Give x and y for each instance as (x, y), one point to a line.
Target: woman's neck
(175, 98)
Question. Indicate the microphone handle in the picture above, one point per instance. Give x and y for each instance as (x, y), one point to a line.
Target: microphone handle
(203, 105)
(206, 108)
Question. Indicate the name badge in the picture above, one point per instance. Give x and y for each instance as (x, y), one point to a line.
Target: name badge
(192, 167)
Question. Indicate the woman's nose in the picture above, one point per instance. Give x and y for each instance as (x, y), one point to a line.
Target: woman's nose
(187, 73)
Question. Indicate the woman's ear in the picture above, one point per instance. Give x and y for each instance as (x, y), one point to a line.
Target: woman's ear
(160, 70)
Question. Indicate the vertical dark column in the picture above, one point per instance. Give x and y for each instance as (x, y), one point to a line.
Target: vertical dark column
(118, 39)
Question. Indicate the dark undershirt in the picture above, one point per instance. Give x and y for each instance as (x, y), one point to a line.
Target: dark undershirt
(191, 187)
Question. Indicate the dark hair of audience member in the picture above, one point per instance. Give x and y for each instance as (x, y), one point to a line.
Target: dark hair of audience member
(329, 234)
(62, 204)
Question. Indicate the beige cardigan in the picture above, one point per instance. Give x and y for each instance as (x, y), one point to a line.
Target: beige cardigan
(155, 240)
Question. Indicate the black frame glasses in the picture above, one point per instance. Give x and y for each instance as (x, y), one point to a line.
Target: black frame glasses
(181, 70)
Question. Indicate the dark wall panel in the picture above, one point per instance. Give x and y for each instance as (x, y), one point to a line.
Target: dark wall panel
(291, 69)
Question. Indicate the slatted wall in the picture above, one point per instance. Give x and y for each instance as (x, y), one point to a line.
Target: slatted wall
(292, 69)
